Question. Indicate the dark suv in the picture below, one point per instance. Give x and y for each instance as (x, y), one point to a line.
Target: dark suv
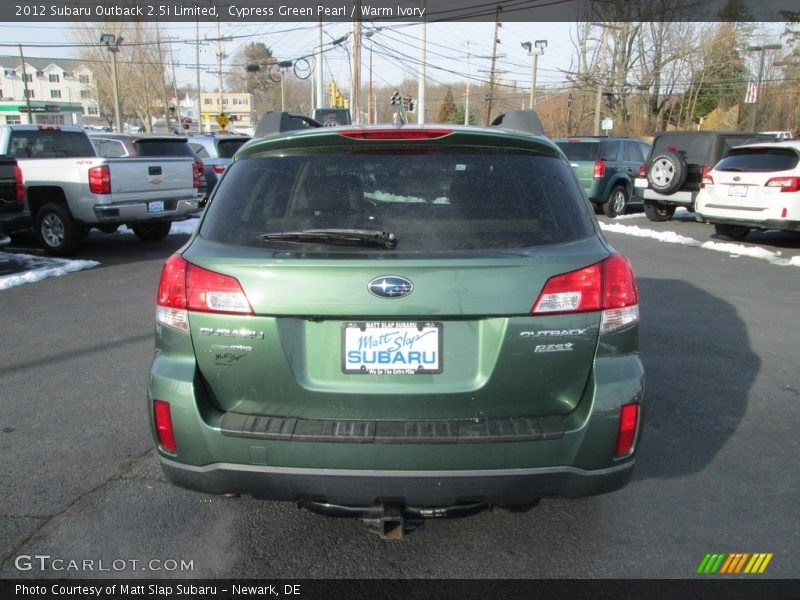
(606, 168)
(676, 165)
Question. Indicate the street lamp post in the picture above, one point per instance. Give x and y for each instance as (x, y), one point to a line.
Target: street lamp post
(763, 49)
(534, 50)
(112, 42)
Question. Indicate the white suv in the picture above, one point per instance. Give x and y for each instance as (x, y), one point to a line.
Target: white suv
(753, 187)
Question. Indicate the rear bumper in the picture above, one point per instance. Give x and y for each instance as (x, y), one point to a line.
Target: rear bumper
(680, 198)
(414, 488)
(780, 224)
(128, 212)
(11, 222)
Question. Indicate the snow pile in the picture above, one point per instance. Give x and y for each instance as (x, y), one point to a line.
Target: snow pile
(731, 249)
(37, 268)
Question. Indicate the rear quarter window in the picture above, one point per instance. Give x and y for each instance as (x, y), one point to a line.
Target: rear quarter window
(50, 144)
(163, 148)
(227, 148)
(578, 151)
(759, 160)
(432, 200)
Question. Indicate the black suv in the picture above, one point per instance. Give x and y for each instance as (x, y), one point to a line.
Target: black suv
(676, 165)
(606, 168)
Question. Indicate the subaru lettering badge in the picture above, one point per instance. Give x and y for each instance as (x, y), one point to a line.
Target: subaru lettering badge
(390, 286)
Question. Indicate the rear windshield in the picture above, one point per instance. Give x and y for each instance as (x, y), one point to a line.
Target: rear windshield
(163, 148)
(431, 200)
(590, 151)
(227, 148)
(693, 148)
(758, 160)
(47, 143)
(577, 151)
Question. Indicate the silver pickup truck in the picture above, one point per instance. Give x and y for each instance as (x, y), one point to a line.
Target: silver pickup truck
(70, 190)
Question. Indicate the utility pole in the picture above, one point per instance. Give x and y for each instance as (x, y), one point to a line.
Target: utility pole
(466, 97)
(167, 120)
(175, 89)
(534, 50)
(599, 99)
(219, 69)
(421, 71)
(112, 42)
(198, 112)
(25, 82)
(355, 104)
(494, 63)
(318, 74)
(370, 113)
(763, 49)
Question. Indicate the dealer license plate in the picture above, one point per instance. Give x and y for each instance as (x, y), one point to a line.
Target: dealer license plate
(392, 348)
(155, 206)
(739, 191)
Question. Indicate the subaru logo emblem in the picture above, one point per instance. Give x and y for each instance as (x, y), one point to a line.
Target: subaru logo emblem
(390, 286)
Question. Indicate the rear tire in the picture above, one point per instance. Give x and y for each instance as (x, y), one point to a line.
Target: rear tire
(617, 202)
(152, 232)
(732, 232)
(658, 212)
(57, 231)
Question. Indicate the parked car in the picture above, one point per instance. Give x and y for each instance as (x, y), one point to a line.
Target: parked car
(333, 117)
(118, 145)
(392, 322)
(70, 189)
(753, 187)
(215, 152)
(14, 214)
(676, 165)
(780, 136)
(606, 168)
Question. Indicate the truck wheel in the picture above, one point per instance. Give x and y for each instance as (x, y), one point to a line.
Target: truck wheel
(617, 202)
(152, 232)
(57, 231)
(732, 232)
(658, 212)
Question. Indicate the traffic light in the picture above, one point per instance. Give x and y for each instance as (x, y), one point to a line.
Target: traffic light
(408, 104)
(396, 100)
(337, 100)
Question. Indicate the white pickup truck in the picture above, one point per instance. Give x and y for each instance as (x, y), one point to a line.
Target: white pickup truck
(70, 189)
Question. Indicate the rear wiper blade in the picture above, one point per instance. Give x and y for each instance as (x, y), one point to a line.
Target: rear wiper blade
(345, 237)
(737, 169)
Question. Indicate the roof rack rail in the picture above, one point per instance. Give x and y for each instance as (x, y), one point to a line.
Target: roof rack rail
(526, 121)
(274, 122)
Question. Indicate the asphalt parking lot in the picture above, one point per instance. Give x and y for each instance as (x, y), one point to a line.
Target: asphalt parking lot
(717, 469)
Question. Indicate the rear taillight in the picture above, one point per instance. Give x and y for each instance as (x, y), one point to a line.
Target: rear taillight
(197, 174)
(218, 169)
(626, 433)
(706, 181)
(49, 128)
(100, 180)
(786, 184)
(599, 169)
(184, 287)
(608, 286)
(163, 422)
(20, 184)
(642, 170)
(704, 170)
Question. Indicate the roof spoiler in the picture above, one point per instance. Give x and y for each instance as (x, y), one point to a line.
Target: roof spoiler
(280, 122)
(526, 121)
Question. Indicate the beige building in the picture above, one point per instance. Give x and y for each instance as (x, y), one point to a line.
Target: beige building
(237, 105)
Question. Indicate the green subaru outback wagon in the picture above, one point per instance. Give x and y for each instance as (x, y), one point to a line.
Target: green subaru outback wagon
(397, 321)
